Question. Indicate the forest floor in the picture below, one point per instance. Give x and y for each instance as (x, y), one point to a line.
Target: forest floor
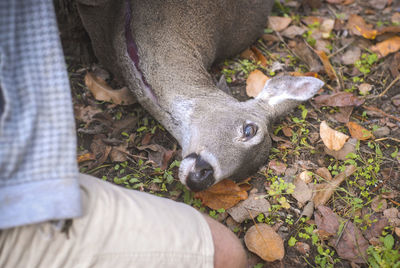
(330, 187)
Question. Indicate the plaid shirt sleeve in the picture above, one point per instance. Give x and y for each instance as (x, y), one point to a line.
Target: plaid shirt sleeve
(38, 170)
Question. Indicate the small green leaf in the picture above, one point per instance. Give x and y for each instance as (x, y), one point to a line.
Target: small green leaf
(388, 241)
(292, 241)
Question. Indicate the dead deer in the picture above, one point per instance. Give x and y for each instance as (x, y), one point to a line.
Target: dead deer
(162, 50)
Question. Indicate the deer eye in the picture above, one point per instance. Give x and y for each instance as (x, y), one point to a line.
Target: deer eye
(249, 131)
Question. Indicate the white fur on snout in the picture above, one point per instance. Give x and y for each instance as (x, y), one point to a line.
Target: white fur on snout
(186, 166)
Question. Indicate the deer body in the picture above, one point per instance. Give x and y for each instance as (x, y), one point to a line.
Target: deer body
(163, 49)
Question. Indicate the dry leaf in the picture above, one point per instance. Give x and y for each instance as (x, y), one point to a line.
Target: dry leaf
(327, 65)
(358, 132)
(255, 83)
(250, 208)
(307, 57)
(397, 231)
(378, 204)
(339, 99)
(277, 166)
(224, 194)
(333, 140)
(349, 147)
(158, 154)
(358, 26)
(324, 173)
(260, 57)
(302, 192)
(311, 20)
(351, 55)
(103, 92)
(293, 31)
(327, 27)
(343, 115)
(388, 46)
(306, 176)
(278, 23)
(86, 157)
(365, 88)
(249, 55)
(325, 190)
(262, 240)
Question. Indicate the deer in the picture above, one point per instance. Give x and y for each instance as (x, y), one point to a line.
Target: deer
(163, 49)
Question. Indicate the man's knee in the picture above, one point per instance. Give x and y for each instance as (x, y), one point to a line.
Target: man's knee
(229, 251)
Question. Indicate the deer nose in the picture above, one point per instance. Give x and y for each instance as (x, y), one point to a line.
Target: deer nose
(201, 177)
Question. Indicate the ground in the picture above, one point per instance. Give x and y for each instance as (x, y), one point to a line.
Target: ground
(123, 144)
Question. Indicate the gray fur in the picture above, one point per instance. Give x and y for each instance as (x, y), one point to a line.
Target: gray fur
(177, 42)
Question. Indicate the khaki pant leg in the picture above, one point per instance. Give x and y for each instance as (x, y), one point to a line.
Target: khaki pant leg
(120, 228)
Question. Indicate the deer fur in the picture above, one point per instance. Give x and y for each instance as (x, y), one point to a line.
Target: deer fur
(162, 49)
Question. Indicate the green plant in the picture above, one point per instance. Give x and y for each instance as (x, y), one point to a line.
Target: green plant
(277, 189)
(365, 63)
(384, 256)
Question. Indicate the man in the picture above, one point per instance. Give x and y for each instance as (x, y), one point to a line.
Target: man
(41, 189)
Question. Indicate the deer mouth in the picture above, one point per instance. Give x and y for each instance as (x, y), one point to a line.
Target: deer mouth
(196, 173)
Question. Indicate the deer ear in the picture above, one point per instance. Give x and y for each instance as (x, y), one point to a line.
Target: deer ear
(285, 92)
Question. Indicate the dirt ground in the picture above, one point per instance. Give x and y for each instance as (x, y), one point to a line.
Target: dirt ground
(337, 41)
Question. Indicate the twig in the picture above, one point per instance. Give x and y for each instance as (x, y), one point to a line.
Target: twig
(374, 109)
(340, 49)
(390, 85)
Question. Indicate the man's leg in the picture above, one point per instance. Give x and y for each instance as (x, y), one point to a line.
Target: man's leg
(123, 228)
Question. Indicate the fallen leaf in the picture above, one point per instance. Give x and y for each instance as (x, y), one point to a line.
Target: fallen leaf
(343, 115)
(308, 57)
(157, 154)
(397, 231)
(312, 20)
(293, 31)
(339, 99)
(302, 248)
(327, 65)
(86, 157)
(250, 208)
(322, 45)
(365, 88)
(278, 23)
(302, 192)
(378, 204)
(277, 166)
(381, 132)
(351, 55)
(333, 140)
(358, 132)
(335, 2)
(388, 46)
(349, 147)
(307, 211)
(378, 4)
(100, 150)
(224, 194)
(395, 18)
(255, 83)
(350, 244)
(306, 176)
(357, 26)
(287, 131)
(392, 214)
(119, 153)
(378, 223)
(260, 57)
(262, 240)
(327, 27)
(324, 173)
(325, 190)
(85, 113)
(103, 92)
(249, 55)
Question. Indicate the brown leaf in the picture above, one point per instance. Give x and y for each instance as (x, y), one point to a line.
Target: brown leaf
(158, 154)
(308, 57)
(119, 153)
(262, 240)
(250, 208)
(311, 20)
(351, 55)
(388, 46)
(86, 157)
(365, 88)
(302, 192)
(325, 190)
(287, 131)
(327, 27)
(333, 140)
(293, 31)
(358, 132)
(277, 166)
(343, 115)
(339, 99)
(358, 26)
(349, 147)
(85, 113)
(327, 64)
(224, 194)
(324, 173)
(249, 55)
(260, 57)
(278, 23)
(100, 150)
(326, 220)
(103, 92)
(255, 83)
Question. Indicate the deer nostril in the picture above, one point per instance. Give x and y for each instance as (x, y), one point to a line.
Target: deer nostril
(201, 177)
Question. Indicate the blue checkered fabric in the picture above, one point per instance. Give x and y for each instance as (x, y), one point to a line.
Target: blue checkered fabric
(38, 170)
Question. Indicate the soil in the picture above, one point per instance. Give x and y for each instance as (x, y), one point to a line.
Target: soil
(117, 152)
